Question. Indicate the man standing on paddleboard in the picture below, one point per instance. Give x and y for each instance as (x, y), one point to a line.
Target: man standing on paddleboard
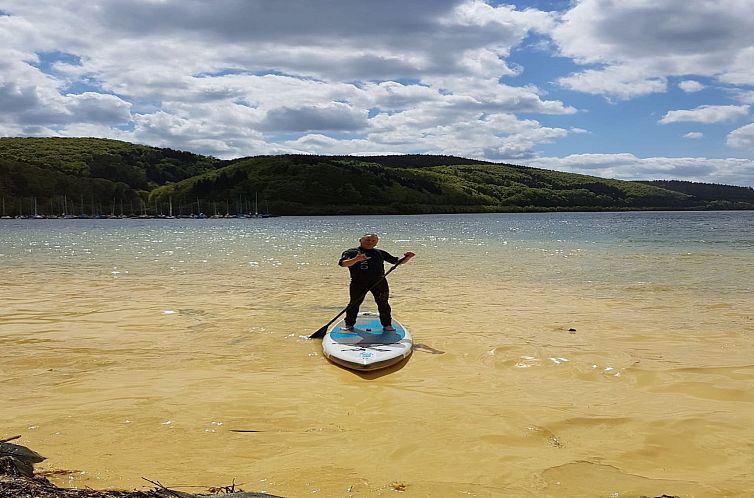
(366, 265)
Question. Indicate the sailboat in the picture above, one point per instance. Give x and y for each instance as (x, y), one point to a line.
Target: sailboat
(36, 216)
(256, 208)
(200, 214)
(5, 217)
(170, 207)
(66, 214)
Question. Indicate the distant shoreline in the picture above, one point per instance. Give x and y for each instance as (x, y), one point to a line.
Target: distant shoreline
(140, 217)
(328, 214)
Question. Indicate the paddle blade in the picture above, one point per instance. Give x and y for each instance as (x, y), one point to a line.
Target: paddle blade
(320, 333)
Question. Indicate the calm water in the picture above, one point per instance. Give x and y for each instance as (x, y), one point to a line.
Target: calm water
(133, 348)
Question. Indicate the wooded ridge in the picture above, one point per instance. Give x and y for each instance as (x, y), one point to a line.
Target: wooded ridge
(101, 177)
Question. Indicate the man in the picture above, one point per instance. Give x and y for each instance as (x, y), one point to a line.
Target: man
(366, 265)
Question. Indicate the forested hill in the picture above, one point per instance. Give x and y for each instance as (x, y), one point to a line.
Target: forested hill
(713, 195)
(92, 174)
(139, 166)
(428, 184)
(89, 176)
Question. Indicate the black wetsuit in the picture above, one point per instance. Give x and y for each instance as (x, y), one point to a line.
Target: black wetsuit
(367, 276)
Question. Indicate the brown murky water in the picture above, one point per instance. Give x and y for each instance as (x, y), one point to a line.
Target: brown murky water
(133, 349)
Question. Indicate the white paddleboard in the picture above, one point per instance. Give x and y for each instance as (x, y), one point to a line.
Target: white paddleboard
(367, 347)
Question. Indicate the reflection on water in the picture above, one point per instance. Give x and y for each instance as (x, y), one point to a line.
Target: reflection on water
(563, 355)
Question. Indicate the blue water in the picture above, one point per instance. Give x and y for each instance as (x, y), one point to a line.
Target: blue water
(560, 246)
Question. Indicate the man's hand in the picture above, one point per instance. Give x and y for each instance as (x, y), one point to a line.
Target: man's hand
(360, 257)
(355, 260)
(406, 256)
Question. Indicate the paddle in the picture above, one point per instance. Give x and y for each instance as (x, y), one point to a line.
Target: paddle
(321, 332)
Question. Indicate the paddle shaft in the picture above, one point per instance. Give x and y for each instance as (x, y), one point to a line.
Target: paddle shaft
(322, 331)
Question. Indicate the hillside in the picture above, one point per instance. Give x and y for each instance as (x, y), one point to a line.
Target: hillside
(711, 194)
(347, 185)
(89, 176)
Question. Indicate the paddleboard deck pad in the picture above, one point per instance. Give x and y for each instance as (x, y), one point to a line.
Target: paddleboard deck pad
(367, 347)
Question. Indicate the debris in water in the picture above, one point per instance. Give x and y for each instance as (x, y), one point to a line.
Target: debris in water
(398, 486)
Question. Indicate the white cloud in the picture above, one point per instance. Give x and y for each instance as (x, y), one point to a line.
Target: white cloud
(393, 96)
(93, 108)
(621, 81)
(741, 70)
(333, 116)
(743, 96)
(479, 13)
(655, 40)
(93, 130)
(707, 114)
(694, 135)
(690, 86)
(742, 138)
(230, 76)
(629, 167)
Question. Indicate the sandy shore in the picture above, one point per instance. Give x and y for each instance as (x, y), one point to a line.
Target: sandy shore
(18, 480)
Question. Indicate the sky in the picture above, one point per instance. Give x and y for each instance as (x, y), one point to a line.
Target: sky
(629, 89)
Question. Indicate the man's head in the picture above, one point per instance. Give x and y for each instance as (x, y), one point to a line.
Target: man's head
(368, 240)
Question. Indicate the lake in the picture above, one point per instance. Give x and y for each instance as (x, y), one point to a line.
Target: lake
(560, 354)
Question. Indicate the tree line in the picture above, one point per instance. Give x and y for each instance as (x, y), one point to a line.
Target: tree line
(98, 177)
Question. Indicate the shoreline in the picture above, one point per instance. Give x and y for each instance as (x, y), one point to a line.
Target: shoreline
(18, 480)
(202, 216)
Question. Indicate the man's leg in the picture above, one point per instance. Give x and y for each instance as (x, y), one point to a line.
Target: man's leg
(357, 291)
(381, 293)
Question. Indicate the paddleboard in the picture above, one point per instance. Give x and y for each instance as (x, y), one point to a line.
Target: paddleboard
(367, 347)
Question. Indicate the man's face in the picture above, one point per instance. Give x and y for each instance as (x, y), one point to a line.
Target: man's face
(369, 241)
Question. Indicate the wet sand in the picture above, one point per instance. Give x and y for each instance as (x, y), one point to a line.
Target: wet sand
(116, 374)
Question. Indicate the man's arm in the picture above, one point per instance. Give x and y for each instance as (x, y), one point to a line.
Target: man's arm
(348, 259)
(392, 259)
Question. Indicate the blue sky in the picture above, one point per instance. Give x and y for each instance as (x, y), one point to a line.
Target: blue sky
(629, 90)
